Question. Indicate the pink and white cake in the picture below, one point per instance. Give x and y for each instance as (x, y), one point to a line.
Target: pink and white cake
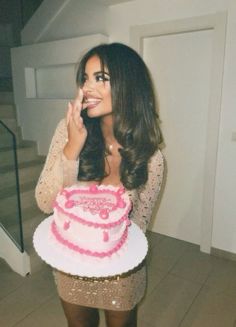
(91, 220)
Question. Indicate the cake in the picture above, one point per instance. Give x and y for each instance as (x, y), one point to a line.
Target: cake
(91, 220)
(90, 233)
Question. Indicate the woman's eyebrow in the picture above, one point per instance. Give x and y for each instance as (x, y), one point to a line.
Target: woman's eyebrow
(97, 73)
(101, 72)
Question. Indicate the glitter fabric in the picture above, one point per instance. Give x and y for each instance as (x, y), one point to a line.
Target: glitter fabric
(122, 292)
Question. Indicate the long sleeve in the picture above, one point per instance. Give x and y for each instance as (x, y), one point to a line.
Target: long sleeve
(58, 171)
(144, 199)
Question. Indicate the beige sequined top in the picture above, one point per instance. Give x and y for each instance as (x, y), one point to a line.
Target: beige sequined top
(122, 292)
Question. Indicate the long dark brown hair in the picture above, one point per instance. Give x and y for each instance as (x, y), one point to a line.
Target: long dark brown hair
(135, 117)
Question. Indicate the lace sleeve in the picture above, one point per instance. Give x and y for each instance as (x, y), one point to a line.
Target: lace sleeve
(58, 172)
(145, 198)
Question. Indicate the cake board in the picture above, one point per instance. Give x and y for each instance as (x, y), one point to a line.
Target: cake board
(127, 258)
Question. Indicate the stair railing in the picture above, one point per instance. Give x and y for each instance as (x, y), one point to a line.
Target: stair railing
(14, 231)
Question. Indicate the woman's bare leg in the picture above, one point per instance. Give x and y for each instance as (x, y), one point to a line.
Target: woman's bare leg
(121, 318)
(79, 316)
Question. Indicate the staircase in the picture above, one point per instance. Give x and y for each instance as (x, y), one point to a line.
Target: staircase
(30, 166)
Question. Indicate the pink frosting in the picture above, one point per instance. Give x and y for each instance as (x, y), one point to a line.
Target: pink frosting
(90, 223)
(66, 225)
(105, 236)
(80, 250)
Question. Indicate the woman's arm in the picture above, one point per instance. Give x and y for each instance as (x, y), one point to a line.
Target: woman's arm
(145, 198)
(58, 171)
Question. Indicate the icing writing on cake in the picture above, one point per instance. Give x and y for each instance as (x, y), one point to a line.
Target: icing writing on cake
(96, 201)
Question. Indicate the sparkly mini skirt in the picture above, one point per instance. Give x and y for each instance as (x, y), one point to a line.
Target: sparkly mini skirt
(121, 292)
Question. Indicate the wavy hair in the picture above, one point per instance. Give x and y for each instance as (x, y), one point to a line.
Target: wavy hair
(135, 116)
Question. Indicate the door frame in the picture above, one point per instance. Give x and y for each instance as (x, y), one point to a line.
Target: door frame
(217, 23)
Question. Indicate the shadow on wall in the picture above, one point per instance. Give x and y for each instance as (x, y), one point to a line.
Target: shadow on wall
(14, 15)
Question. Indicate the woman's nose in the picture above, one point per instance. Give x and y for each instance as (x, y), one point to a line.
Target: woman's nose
(88, 85)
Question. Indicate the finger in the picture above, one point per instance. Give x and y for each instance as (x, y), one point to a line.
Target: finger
(81, 123)
(79, 100)
(69, 112)
(82, 99)
(80, 95)
(78, 120)
(75, 113)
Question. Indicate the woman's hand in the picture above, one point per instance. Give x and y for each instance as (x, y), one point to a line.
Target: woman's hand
(77, 132)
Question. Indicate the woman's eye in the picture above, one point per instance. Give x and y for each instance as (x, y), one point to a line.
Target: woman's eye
(102, 78)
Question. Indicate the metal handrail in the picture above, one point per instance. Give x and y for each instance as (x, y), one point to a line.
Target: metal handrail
(17, 184)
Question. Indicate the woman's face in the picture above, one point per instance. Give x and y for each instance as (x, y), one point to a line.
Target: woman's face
(96, 89)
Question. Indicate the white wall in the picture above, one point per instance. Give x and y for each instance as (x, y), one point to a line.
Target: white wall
(60, 19)
(119, 19)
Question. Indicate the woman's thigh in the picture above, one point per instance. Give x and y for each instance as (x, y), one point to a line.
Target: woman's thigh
(121, 318)
(80, 316)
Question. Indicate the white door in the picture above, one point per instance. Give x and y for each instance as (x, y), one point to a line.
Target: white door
(186, 59)
(181, 68)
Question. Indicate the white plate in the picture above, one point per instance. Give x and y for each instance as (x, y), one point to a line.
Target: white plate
(66, 260)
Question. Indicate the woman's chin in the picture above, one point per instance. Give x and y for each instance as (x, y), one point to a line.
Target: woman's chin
(96, 113)
(92, 113)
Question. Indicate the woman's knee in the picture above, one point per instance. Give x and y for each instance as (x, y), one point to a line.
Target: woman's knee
(121, 318)
(79, 316)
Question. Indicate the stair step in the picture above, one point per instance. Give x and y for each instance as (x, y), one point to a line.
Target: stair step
(11, 124)
(28, 172)
(9, 204)
(25, 153)
(28, 164)
(6, 138)
(6, 84)
(7, 111)
(11, 220)
(9, 191)
(23, 144)
(6, 97)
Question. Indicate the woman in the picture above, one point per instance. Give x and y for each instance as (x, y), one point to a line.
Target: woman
(110, 136)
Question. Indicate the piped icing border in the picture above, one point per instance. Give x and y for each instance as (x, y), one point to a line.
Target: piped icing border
(90, 223)
(80, 250)
(94, 189)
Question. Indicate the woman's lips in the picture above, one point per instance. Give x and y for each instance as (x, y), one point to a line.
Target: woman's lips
(91, 103)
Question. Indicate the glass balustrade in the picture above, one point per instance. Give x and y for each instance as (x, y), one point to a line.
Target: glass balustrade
(10, 210)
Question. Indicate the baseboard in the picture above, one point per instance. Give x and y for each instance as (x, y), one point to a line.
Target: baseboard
(18, 261)
(223, 254)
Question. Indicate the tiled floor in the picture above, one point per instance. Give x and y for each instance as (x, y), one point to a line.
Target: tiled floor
(186, 289)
